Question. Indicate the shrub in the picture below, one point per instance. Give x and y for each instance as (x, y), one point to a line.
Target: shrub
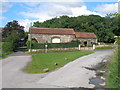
(52, 45)
(63, 45)
(95, 43)
(28, 44)
(7, 47)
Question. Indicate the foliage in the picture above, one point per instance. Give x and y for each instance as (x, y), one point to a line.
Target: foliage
(35, 45)
(113, 80)
(104, 27)
(28, 44)
(13, 32)
(26, 36)
(48, 60)
(7, 48)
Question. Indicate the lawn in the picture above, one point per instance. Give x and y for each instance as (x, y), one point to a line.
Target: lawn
(105, 47)
(113, 79)
(48, 60)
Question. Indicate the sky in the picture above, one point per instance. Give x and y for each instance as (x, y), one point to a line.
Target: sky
(25, 11)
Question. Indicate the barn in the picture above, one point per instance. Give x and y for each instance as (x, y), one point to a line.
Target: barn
(61, 35)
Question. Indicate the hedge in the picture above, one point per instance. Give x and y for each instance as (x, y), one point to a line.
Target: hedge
(52, 45)
(7, 47)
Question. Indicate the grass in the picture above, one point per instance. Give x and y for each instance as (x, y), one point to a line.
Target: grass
(113, 79)
(105, 47)
(3, 57)
(48, 60)
(52, 51)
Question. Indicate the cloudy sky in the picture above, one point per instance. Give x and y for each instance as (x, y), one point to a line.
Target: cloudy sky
(26, 12)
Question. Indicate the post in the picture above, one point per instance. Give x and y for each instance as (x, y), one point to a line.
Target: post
(79, 47)
(93, 46)
(46, 48)
(30, 37)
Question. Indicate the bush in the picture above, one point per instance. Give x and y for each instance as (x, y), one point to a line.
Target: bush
(51, 45)
(7, 47)
(95, 43)
(28, 44)
(63, 45)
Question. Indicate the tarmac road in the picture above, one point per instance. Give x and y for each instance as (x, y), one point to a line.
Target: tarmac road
(73, 74)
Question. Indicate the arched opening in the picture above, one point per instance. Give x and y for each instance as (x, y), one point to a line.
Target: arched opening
(34, 40)
(85, 43)
(55, 40)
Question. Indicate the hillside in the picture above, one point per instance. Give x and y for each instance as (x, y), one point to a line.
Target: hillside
(104, 27)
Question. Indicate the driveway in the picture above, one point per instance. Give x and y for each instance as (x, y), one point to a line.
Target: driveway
(73, 74)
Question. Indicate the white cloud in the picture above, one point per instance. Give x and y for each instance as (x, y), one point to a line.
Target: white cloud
(25, 23)
(46, 11)
(82, 11)
(4, 6)
(50, 10)
(107, 8)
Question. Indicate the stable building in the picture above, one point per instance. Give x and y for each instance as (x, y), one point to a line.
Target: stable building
(60, 35)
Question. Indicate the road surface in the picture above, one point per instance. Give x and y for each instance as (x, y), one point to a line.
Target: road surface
(73, 74)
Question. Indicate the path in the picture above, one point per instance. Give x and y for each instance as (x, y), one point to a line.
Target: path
(71, 75)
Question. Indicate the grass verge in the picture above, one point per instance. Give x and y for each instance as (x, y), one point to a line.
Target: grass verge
(3, 57)
(52, 51)
(113, 79)
(105, 47)
(48, 60)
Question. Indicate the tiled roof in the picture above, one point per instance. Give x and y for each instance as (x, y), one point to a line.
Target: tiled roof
(52, 31)
(63, 31)
(85, 35)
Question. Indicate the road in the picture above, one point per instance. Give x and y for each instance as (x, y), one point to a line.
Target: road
(73, 74)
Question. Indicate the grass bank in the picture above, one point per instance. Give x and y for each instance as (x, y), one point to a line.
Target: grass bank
(113, 79)
(105, 47)
(48, 60)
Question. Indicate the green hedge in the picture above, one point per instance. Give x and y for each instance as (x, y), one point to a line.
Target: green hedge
(7, 47)
(63, 45)
(52, 45)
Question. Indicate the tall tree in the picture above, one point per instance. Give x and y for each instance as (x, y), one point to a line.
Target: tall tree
(13, 32)
(104, 27)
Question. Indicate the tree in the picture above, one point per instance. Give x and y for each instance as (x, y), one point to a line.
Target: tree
(104, 27)
(13, 32)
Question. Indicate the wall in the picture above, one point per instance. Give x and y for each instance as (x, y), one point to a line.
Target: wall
(42, 38)
(82, 40)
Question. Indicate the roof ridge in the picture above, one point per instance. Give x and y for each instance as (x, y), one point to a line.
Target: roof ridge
(51, 28)
(84, 32)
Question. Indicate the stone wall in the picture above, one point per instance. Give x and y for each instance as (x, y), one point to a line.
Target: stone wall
(88, 40)
(42, 38)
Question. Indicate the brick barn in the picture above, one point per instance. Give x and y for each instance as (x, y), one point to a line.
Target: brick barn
(61, 35)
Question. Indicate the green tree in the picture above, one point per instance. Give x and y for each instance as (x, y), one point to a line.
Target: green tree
(13, 32)
(104, 27)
